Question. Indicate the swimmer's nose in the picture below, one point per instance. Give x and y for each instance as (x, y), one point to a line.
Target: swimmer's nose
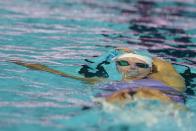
(132, 66)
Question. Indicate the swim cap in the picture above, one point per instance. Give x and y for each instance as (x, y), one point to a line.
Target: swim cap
(146, 59)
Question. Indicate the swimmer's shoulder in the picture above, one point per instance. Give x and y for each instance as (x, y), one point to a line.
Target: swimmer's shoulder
(166, 73)
(161, 64)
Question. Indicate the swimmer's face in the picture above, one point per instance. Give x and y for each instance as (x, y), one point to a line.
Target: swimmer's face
(132, 68)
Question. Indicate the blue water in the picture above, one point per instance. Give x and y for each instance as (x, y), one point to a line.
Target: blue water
(61, 34)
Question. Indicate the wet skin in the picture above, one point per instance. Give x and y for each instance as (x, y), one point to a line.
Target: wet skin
(132, 71)
(41, 67)
(125, 96)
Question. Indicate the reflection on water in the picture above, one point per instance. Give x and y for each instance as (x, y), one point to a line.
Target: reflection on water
(61, 34)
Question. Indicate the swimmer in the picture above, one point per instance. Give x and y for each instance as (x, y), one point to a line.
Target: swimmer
(134, 67)
(145, 78)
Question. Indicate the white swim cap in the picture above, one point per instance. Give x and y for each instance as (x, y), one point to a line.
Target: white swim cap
(146, 59)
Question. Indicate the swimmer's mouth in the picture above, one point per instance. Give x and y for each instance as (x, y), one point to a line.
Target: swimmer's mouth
(131, 74)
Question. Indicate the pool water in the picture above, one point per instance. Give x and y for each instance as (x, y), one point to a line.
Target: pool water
(62, 33)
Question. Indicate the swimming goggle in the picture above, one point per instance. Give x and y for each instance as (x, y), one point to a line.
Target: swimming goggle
(126, 63)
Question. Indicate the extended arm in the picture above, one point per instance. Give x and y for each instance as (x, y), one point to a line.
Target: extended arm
(47, 69)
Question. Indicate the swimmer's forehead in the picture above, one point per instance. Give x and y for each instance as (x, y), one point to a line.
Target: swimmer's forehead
(131, 59)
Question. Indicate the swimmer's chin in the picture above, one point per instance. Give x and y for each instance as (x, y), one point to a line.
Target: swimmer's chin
(126, 78)
(132, 77)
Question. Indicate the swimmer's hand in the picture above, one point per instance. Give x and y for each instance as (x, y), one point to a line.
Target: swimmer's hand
(41, 67)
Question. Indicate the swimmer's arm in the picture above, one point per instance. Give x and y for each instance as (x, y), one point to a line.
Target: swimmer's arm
(41, 67)
(166, 73)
